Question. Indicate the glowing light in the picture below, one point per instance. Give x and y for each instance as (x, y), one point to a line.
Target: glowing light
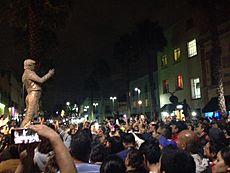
(139, 102)
(194, 113)
(179, 106)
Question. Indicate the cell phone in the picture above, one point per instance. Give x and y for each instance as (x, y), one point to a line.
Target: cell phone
(24, 136)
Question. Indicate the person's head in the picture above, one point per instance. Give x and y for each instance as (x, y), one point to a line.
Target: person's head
(188, 140)
(202, 128)
(216, 135)
(29, 64)
(101, 130)
(135, 161)
(98, 153)
(114, 144)
(175, 160)
(190, 127)
(128, 140)
(113, 164)
(165, 131)
(226, 131)
(211, 149)
(151, 150)
(177, 126)
(152, 126)
(222, 163)
(80, 146)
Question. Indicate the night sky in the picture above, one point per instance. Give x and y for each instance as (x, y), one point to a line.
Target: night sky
(92, 30)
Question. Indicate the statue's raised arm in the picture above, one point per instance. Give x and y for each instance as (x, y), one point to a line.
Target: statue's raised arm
(32, 83)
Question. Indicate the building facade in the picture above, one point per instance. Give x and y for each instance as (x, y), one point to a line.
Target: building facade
(11, 97)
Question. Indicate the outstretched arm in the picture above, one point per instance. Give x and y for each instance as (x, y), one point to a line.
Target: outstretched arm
(63, 157)
(34, 77)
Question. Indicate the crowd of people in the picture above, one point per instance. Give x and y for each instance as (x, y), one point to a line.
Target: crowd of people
(125, 145)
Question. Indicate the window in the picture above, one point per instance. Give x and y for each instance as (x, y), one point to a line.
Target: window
(165, 84)
(192, 48)
(164, 61)
(176, 56)
(179, 84)
(195, 88)
(146, 102)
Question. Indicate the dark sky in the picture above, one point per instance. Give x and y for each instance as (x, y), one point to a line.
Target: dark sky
(92, 30)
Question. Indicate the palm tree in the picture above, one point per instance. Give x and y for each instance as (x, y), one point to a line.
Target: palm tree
(35, 22)
(211, 9)
(99, 71)
(151, 40)
(126, 53)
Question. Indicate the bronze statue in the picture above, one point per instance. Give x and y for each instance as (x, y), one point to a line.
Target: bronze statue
(32, 82)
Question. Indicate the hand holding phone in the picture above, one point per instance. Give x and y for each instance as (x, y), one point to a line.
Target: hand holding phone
(24, 136)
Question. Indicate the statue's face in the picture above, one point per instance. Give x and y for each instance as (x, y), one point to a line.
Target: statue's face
(30, 67)
(29, 64)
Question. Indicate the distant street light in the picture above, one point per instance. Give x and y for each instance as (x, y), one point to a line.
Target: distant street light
(138, 95)
(94, 105)
(67, 103)
(139, 103)
(138, 92)
(113, 98)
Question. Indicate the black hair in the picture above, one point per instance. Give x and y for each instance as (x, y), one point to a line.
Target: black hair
(80, 146)
(136, 161)
(167, 131)
(113, 164)
(177, 161)
(98, 153)
(115, 144)
(128, 138)
(151, 150)
(225, 153)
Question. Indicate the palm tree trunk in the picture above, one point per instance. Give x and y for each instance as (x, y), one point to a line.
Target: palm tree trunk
(34, 28)
(221, 99)
(217, 77)
(151, 82)
(128, 91)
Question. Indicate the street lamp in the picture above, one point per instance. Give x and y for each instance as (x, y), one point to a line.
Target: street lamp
(139, 101)
(138, 92)
(95, 105)
(113, 98)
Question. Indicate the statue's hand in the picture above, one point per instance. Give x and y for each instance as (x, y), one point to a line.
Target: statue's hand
(51, 72)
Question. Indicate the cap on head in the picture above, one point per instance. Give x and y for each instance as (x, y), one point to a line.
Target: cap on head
(28, 63)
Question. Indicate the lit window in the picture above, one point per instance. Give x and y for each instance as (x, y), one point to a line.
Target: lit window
(146, 102)
(192, 48)
(195, 88)
(164, 60)
(179, 82)
(176, 56)
(165, 84)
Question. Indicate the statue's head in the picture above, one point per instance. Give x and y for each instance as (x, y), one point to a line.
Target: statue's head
(29, 64)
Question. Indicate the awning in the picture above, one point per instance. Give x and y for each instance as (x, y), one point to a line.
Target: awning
(212, 105)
